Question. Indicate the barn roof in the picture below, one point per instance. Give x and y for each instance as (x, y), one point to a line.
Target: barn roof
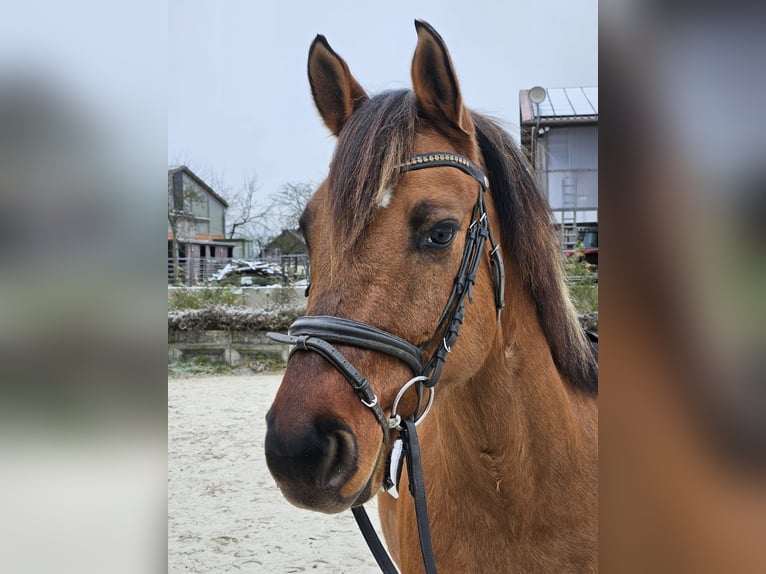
(176, 168)
(561, 105)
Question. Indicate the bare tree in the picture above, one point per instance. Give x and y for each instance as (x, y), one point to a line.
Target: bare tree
(288, 203)
(246, 216)
(243, 209)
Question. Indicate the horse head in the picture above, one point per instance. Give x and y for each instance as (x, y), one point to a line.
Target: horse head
(385, 247)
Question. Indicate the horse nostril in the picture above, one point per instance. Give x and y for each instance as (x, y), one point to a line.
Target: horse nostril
(321, 455)
(340, 460)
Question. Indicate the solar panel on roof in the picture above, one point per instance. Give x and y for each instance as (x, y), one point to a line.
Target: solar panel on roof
(580, 103)
(567, 102)
(560, 102)
(592, 95)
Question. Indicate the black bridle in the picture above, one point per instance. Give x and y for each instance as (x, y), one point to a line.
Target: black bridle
(320, 333)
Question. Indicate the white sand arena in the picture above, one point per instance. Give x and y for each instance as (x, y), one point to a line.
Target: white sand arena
(225, 513)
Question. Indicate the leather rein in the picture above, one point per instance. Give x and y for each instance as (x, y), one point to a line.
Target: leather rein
(320, 333)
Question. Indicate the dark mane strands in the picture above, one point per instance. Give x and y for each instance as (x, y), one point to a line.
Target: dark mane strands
(528, 237)
(379, 136)
(374, 142)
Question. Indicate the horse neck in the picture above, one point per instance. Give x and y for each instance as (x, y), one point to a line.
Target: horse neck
(516, 425)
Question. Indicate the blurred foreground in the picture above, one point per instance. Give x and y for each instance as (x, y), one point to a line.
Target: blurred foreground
(683, 278)
(82, 287)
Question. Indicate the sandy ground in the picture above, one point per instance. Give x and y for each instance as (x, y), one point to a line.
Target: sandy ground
(225, 513)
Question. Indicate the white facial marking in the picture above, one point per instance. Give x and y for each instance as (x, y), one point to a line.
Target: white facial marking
(384, 198)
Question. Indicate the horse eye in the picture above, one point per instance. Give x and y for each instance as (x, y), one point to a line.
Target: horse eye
(441, 235)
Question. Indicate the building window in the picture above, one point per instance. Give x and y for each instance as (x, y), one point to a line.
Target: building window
(568, 170)
(178, 193)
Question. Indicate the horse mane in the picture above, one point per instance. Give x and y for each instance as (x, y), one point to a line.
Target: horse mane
(380, 136)
(529, 238)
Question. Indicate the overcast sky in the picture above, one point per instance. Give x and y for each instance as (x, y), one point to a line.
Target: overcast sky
(239, 102)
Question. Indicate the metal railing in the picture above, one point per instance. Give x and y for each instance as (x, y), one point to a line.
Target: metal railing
(194, 270)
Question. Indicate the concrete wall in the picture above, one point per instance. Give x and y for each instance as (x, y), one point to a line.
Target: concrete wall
(237, 347)
(232, 347)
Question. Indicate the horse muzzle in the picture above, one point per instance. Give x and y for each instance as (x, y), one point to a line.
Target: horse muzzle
(313, 463)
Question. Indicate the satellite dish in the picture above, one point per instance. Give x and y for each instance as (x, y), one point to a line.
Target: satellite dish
(537, 94)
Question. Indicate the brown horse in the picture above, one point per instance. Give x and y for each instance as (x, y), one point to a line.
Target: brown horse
(509, 449)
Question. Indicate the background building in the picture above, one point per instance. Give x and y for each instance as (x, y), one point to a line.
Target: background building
(559, 132)
(197, 222)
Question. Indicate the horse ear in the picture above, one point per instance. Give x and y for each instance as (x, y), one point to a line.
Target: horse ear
(435, 82)
(336, 93)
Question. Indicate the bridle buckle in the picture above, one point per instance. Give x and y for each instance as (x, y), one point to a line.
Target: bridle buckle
(370, 404)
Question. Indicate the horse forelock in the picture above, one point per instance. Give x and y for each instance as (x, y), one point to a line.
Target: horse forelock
(529, 238)
(364, 169)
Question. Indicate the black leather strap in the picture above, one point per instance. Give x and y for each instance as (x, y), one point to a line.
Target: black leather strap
(451, 320)
(445, 159)
(373, 541)
(343, 331)
(418, 491)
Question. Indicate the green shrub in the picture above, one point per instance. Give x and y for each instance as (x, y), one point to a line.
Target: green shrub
(582, 280)
(184, 298)
(282, 297)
